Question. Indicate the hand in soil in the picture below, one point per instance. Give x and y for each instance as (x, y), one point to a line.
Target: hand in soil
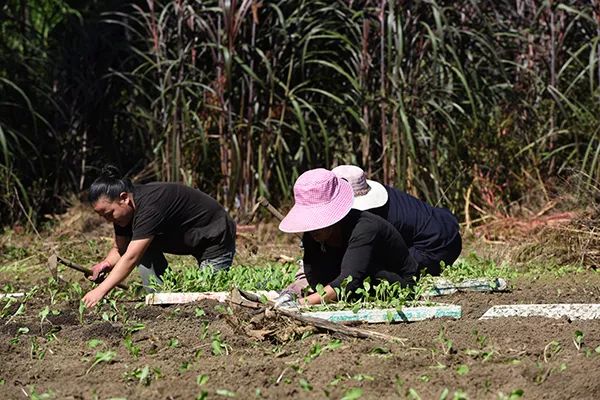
(93, 297)
(99, 272)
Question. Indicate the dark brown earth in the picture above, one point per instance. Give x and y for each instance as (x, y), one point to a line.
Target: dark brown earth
(470, 358)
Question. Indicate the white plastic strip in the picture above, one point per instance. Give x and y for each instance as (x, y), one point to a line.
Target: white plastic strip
(406, 314)
(190, 297)
(571, 311)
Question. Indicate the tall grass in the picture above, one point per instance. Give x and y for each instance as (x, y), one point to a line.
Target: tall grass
(444, 99)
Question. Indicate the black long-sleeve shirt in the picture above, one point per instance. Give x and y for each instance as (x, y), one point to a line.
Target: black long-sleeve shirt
(370, 247)
(422, 226)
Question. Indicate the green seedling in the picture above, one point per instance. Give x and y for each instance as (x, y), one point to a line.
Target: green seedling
(21, 331)
(321, 291)
(221, 309)
(131, 347)
(462, 369)
(191, 279)
(34, 395)
(82, 308)
(203, 395)
(578, 339)
(136, 327)
(445, 342)
(202, 379)
(173, 342)
(413, 394)
(184, 366)
(20, 311)
(460, 395)
(551, 350)
(102, 357)
(380, 351)
(199, 312)
(399, 385)
(317, 349)
(35, 350)
(514, 395)
(352, 394)
(225, 393)
(562, 367)
(338, 379)
(217, 345)
(204, 330)
(304, 385)
(363, 377)
(43, 315)
(93, 343)
(143, 376)
(6, 309)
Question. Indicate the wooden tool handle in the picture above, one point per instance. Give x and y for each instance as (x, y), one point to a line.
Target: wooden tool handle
(265, 203)
(85, 270)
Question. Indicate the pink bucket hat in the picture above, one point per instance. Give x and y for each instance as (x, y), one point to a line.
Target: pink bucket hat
(367, 193)
(321, 200)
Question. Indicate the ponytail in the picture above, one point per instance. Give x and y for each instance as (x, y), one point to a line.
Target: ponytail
(109, 184)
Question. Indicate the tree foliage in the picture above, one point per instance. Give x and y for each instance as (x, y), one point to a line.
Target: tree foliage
(446, 99)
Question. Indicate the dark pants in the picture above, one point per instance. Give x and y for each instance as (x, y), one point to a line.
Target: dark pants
(431, 261)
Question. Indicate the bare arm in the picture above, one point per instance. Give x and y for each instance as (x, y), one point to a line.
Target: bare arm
(315, 298)
(123, 267)
(119, 248)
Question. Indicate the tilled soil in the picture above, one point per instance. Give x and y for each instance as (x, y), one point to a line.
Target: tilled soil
(537, 357)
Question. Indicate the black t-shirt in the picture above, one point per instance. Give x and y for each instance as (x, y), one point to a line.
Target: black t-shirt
(370, 245)
(422, 226)
(182, 220)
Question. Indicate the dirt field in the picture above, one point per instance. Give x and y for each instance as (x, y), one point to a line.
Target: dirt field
(211, 351)
(219, 354)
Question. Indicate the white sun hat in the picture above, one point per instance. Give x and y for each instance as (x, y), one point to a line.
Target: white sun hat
(367, 193)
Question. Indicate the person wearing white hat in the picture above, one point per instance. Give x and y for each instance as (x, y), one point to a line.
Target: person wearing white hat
(431, 233)
(340, 242)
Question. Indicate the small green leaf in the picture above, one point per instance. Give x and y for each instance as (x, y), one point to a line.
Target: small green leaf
(379, 350)
(201, 379)
(225, 393)
(353, 394)
(199, 312)
(516, 394)
(202, 396)
(305, 385)
(22, 330)
(136, 327)
(462, 369)
(93, 343)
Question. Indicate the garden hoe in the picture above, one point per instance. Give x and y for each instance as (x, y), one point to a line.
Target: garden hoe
(54, 260)
(275, 212)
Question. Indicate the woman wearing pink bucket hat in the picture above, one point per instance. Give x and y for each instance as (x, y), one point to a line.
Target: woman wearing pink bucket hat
(340, 242)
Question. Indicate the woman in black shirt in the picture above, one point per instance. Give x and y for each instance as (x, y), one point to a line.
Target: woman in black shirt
(340, 242)
(156, 218)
